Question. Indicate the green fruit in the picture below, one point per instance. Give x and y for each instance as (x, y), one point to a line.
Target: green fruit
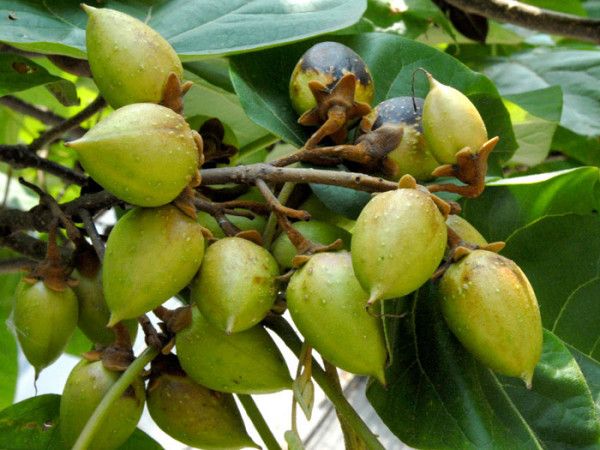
(197, 416)
(151, 255)
(320, 232)
(412, 156)
(243, 223)
(130, 61)
(398, 243)
(248, 362)
(93, 310)
(451, 122)
(236, 285)
(465, 230)
(43, 320)
(491, 308)
(327, 305)
(86, 386)
(327, 62)
(145, 154)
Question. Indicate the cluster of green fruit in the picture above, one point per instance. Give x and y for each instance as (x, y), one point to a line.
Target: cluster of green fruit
(146, 154)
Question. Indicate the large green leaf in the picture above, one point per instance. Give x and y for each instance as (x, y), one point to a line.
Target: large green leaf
(535, 116)
(575, 71)
(439, 396)
(262, 81)
(9, 366)
(18, 73)
(194, 27)
(560, 256)
(206, 99)
(34, 423)
(509, 204)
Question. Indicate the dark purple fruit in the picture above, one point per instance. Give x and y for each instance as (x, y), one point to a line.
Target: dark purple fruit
(328, 62)
(412, 155)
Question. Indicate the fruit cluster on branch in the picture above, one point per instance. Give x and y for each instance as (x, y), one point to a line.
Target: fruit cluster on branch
(224, 258)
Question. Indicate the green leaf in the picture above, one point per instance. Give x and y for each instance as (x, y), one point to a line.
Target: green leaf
(262, 82)
(204, 99)
(582, 148)
(559, 255)
(565, 6)
(439, 396)
(18, 73)
(560, 407)
(575, 71)
(194, 27)
(509, 204)
(9, 366)
(34, 424)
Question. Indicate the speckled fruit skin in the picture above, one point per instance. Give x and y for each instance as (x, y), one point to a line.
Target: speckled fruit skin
(327, 62)
(327, 305)
(451, 122)
(145, 154)
(197, 416)
(412, 156)
(236, 285)
(130, 61)
(43, 321)
(248, 362)
(86, 386)
(94, 312)
(151, 254)
(465, 230)
(491, 308)
(398, 242)
(315, 230)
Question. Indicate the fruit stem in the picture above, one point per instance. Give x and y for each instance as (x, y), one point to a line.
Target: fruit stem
(283, 197)
(284, 330)
(116, 390)
(258, 421)
(351, 439)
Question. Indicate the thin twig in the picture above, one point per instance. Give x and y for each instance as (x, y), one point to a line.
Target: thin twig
(44, 115)
(92, 232)
(65, 126)
(534, 18)
(250, 173)
(39, 217)
(20, 156)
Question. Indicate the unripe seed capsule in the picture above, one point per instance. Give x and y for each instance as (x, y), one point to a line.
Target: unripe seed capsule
(451, 122)
(491, 308)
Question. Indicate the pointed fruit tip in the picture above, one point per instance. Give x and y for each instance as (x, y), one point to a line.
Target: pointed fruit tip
(527, 378)
(114, 319)
(87, 8)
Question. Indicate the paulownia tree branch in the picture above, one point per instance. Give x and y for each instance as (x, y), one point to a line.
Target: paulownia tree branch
(68, 124)
(250, 173)
(44, 115)
(533, 18)
(20, 156)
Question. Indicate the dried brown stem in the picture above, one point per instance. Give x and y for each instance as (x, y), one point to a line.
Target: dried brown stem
(250, 173)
